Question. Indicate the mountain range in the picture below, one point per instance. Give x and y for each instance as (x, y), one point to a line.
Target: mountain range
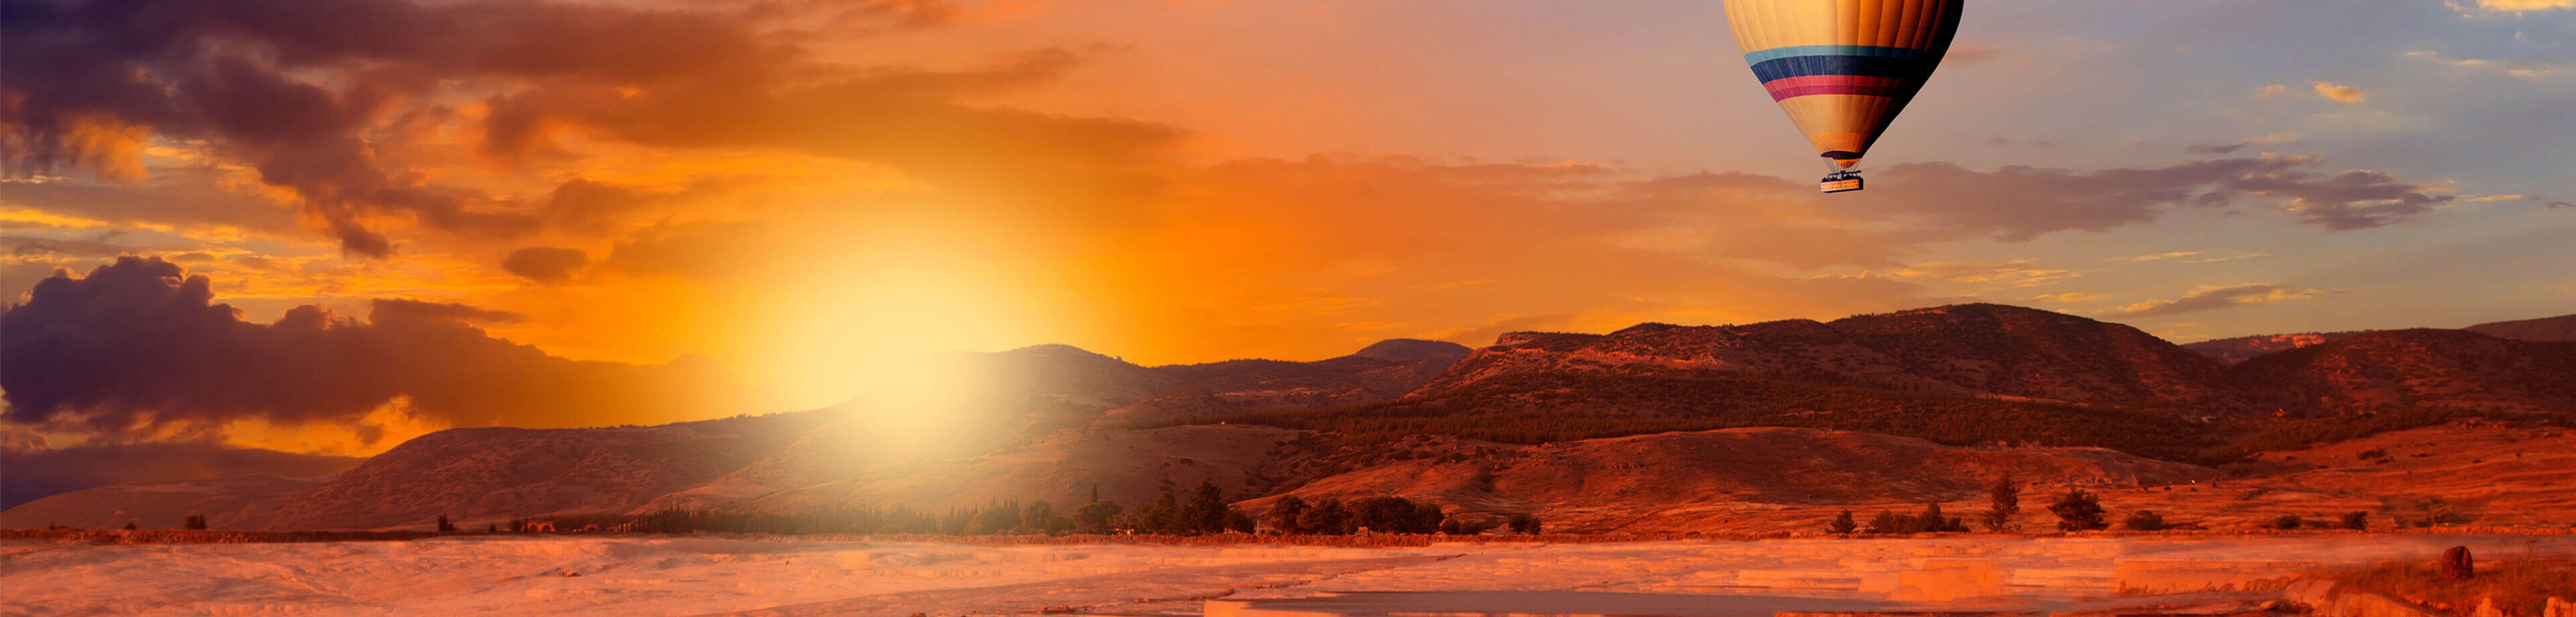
(2239, 349)
(1652, 427)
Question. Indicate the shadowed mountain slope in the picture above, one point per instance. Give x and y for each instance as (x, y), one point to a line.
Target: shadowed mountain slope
(2547, 329)
(1973, 349)
(2242, 348)
(2406, 369)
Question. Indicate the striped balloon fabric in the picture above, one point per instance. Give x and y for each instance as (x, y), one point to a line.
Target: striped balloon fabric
(1843, 69)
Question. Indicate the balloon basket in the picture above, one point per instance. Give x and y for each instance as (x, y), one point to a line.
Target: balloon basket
(1839, 182)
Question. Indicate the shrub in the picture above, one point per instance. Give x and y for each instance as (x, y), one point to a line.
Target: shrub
(1931, 520)
(2288, 521)
(2078, 510)
(2005, 497)
(1890, 522)
(1384, 514)
(1040, 517)
(1325, 517)
(1427, 517)
(1095, 517)
(2145, 520)
(1286, 514)
(443, 526)
(2356, 521)
(1524, 523)
(196, 521)
(1843, 524)
(1163, 516)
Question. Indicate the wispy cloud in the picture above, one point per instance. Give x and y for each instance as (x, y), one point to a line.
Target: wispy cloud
(2489, 8)
(2068, 297)
(2157, 256)
(2232, 257)
(2024, 272)
(2214, 297)
(2189, 257)
(2509, 68)
(2274, 139)
(2340, 93)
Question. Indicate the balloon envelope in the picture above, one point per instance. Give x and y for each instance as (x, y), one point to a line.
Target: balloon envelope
(1843, 68)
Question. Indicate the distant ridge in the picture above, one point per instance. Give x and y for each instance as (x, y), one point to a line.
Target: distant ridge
(2545, 329)
(2398, 370)
(2239, 349)
(2242, 348)
(1967, 349)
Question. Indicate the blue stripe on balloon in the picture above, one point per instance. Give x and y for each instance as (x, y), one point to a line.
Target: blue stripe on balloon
(1833, 50)
(1866, 66)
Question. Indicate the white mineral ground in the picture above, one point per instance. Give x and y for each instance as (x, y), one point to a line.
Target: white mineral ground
(702, 576)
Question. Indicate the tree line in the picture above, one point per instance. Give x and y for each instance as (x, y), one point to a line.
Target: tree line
(1204, 511)
(2076, 510)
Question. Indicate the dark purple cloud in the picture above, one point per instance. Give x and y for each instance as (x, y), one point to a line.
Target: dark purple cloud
(138, 343)
(2016, 203)
(300, 92)
(545, 264)
(399, 309)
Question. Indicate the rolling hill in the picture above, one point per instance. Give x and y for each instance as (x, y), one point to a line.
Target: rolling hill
(2547, 329)
(2242, 348)
(2396, 370)
(1667, 428)
(2239, 349)
(1972, 350)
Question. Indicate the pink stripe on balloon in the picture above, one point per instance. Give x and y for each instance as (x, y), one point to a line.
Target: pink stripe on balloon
(1786, 88)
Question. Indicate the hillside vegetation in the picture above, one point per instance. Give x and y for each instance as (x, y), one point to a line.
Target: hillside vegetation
(1532, 408)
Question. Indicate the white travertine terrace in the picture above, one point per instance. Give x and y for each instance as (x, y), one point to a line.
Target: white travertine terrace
(699, 575)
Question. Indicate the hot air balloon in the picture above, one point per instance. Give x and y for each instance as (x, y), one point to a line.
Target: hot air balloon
(1843, 68)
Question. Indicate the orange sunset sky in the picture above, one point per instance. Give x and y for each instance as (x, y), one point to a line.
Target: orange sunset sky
(785, 196)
